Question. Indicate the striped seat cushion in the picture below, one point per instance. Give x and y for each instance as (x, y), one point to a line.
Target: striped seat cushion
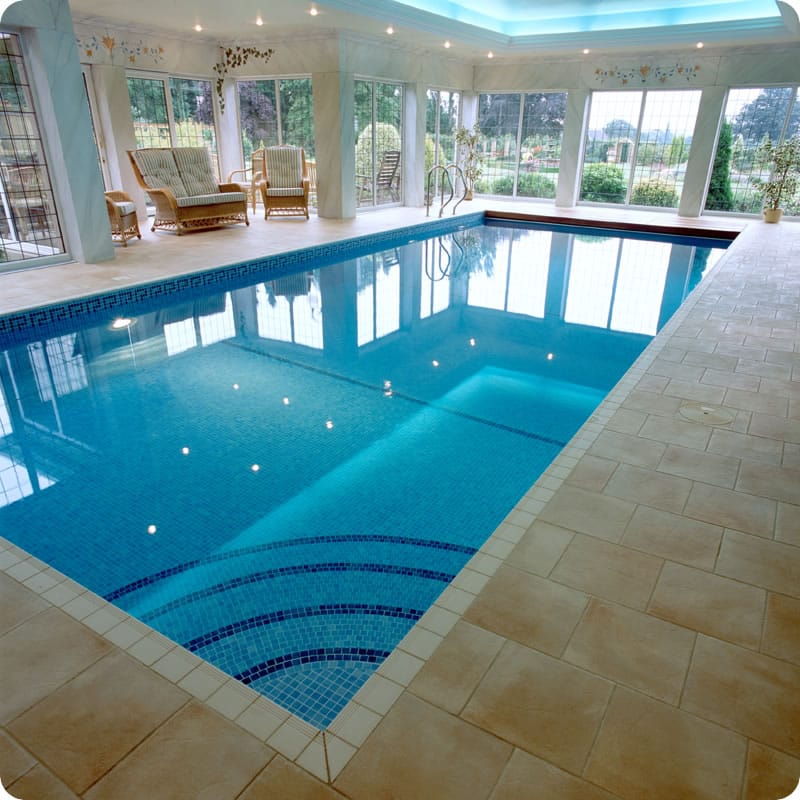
(125, 207)
(211, 199)
(284, 167)
(197, 174)
(160, 171)
(285, 192)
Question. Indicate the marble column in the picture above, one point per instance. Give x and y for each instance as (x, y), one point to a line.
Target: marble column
(701, 154)
(229, 147)
(335, 141)
(115, 123)
(572, 147)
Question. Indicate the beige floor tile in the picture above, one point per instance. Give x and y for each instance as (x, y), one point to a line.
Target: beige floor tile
(626, 420)
(748, 692)
(742, 445)
(767, 480)
(451, 675)
(544, 706)
(731, 509)
(419, 751)
(708, 603)
(632, 648)
(217, 760)
(540, 548)
(27, 664)
(606, 570)
(651, 403)
(771, 565)
(17, 603)
(770, 774)
(592, 473)
(282, 780)
(791, 456)
(526, 776)
(706, 467)
(649, 488)
(756, 401)
(694, 390)
(675, 431)
(647, 749)
(730, 379)
(588, 512)
(534, 611)
(785, 430)
(14, 760)
(675, 537)
(41, 783)
(627, 449)
(782, 628)
(81, 730)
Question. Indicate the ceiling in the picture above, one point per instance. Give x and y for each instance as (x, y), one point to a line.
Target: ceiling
(513, 28)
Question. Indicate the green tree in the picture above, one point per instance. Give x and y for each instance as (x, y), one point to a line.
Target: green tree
(720, 193)
(678, 151)
(619, 129)
(297, 114)
(387, 137)
(765, 115)
(259, 118)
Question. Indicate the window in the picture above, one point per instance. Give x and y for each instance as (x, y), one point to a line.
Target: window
(750, 116)
(378, 120)
(173, 112)
(29, 224)
(637, 147)
(441, 123)
(522, 143)
(273, 112)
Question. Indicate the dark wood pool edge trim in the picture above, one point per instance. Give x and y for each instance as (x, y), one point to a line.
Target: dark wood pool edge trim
(729, 233)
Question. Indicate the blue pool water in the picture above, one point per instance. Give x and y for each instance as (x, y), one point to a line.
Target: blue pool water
(282, 473)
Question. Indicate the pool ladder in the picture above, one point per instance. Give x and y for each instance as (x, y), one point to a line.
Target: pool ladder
(446, 178)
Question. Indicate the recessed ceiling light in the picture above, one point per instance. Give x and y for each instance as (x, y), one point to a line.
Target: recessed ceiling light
(586, 51)
(447, 43)
(390, 30)
(198, 27)
(699, 45)
(313, 11)
(490, 54)
(259, 21)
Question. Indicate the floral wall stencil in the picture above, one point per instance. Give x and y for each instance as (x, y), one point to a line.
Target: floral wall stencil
(107, 49)
(647, 74)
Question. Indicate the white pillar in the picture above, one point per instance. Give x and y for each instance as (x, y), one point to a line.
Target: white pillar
(413, 161)
(229, 147)
(116, 125)
(335, 143)
(572, 147)
(701, 155)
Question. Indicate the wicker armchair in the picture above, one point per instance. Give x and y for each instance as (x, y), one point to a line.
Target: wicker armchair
(185, 191)
(253, 176)
(285, 188)
(122, 216)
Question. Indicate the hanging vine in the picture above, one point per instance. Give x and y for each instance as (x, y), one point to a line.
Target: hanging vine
(233, 57)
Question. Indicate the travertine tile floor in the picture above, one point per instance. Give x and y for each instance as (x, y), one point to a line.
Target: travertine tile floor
(638, 640)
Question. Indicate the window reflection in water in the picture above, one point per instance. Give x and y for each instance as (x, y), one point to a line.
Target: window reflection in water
(378, 299)
(289, 309)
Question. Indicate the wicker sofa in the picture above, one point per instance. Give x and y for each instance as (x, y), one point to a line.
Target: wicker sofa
(184, 189)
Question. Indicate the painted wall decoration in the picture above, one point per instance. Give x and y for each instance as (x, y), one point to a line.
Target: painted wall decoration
(647, 74)
(107, 49)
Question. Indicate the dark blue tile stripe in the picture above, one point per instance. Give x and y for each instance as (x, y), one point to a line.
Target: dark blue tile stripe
(48, 320)
(298, 569)
(149, 580)
(332, 609)
(410, 398)
(289, 660)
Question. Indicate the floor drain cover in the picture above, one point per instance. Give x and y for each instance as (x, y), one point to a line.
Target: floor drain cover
(707, 414)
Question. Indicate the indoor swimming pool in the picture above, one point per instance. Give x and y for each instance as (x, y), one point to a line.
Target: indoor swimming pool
(282, 465)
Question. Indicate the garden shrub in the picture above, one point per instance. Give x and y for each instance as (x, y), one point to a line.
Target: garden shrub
(603, 183)
(655, 192)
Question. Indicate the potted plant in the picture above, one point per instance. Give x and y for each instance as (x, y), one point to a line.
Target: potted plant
(470, 158)
(783, 160)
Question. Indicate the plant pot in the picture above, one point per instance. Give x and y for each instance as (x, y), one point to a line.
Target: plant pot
(772, 214)
(468, 195)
